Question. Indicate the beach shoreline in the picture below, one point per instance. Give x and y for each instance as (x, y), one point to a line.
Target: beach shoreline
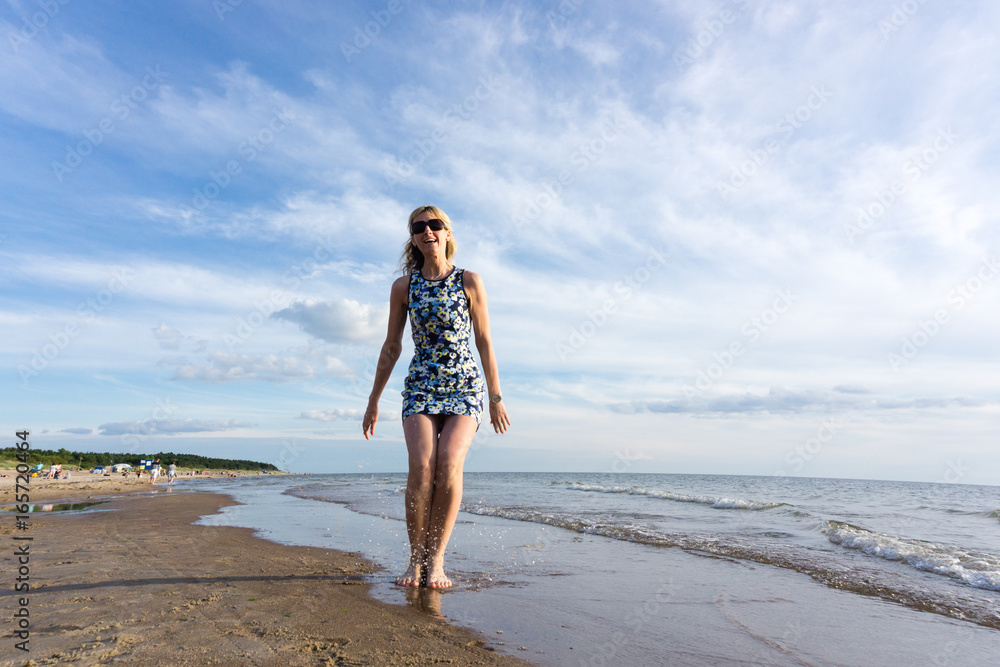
(85, 485)
(137, 581)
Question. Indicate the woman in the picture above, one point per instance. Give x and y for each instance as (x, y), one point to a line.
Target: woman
(443, 392)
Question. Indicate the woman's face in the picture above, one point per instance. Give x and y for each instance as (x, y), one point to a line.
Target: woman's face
(429, 241)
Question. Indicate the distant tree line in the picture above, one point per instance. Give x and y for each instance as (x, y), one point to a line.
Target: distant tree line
(87, 460)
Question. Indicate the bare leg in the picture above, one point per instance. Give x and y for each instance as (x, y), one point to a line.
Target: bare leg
(452, 446)
(421, 433)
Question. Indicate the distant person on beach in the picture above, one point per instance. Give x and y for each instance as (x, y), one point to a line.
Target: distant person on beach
(443, 394)
(154, 471)
(171, 472)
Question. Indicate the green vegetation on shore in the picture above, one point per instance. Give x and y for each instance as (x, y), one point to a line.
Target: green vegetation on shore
(87, 460)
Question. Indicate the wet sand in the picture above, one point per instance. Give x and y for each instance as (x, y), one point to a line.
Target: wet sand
(141, 585)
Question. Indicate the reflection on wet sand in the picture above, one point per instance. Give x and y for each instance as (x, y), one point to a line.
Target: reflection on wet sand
(427, 600)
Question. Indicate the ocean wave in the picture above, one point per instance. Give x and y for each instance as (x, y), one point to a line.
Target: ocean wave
(713, 502)
(979, 570)
(858, 578)
(958, 511)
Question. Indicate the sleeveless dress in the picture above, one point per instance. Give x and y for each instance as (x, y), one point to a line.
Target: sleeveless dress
(443, 377)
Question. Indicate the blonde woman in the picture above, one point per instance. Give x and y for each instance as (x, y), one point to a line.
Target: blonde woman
(443, 395)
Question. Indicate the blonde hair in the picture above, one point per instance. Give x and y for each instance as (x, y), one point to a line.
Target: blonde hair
(412, 259)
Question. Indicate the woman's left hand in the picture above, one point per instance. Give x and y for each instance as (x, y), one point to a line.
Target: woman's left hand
(498, 417)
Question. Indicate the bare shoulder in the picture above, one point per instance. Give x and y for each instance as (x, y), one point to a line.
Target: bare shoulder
(472, 281)
(400, 291)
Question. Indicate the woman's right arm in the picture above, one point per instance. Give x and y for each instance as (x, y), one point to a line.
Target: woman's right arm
(391, 349)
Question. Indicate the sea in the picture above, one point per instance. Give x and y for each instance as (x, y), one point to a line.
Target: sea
(660, 569)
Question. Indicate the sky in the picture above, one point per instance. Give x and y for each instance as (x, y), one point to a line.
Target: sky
(728, 237)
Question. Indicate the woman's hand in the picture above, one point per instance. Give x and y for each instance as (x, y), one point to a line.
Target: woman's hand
(371, 416)
(498, 417)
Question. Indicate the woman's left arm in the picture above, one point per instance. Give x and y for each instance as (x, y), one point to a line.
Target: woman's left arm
(476, 293)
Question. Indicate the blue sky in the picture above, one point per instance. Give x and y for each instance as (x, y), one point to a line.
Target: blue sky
(717, 237)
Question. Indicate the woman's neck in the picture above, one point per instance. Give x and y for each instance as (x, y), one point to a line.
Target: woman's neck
(435, 267)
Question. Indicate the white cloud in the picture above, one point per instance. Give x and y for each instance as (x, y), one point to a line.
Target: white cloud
(223, 367)
(782, 400)
(65, 84)
(343, 321)
(332, 415)
(172, 339)
(313, 218)
(170, 426)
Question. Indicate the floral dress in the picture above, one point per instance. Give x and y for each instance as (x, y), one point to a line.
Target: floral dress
(443, 378)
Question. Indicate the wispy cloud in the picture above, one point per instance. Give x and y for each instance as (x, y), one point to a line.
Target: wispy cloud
(784, 401)
(743, 142)
(332, 415)
(222, 367)
(170, 426)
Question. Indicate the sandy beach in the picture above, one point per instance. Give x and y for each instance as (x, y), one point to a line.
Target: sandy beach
(82, 485)
(139, 584)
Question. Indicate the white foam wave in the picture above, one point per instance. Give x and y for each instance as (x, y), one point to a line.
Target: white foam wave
(713, 502)
(980, 570)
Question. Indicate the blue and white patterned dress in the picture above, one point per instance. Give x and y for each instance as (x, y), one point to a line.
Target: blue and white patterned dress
(443, 378)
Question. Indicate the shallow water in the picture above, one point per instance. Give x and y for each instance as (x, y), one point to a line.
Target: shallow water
(629, 568)
(55, 507)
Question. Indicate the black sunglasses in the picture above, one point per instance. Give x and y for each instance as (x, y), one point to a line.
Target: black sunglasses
(419, 227)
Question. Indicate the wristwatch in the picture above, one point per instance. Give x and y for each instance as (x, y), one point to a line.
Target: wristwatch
(496, 398)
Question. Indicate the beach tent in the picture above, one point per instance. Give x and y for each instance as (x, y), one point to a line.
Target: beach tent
(99, 470)
(118, 467)
(38, 466)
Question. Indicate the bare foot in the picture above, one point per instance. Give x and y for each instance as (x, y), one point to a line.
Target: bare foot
(436, 577)
(411, 577)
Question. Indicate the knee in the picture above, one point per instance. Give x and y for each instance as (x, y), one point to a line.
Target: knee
(421, 476)
(448, 473)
